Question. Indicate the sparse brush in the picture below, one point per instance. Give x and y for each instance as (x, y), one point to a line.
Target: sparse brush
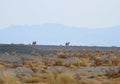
(51, 61)
(66, 64)
(62, 78)
(80, 62)
(113, 73)
(6, 54)
(33, 53)
(23, 61)
(73, 66)
(8, 78)
(32, 67)
(2, 67)
(114, 60)
(38, 63)
(13, 53)
(97, 61)
(112, 82)
(83, 73)
(65, 78)
(62, 55)
(85, 81)
(45, 60)
(51, 78)
(32, 80)
(58, 62)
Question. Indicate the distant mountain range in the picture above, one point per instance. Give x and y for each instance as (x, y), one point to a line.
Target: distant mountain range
(58, 34)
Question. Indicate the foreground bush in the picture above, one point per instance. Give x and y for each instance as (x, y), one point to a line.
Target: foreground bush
(8, 78)
(61, 78)
(32, 80)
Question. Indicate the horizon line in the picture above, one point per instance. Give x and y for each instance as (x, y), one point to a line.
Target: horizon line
(30, 25)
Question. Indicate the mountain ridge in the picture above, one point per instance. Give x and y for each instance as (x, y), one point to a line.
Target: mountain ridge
(59, 34)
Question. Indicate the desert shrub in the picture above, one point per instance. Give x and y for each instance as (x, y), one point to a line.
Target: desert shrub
(73, 66)
(61, 78)
(51, 78)
(32, 67)
(83, 73)
(36, 78)
(114, 61)
(62, 55)
(106, 61)
(8, 78)
(75, 54)
(81, 62)
(24, 61)
(85, 81)
(97, 61)
(66, 64)
(82, 81)
(113, 73)
(65, 78)
(33, 53)
(38, 63)
(6, 54)
(38, 66)
(58, 62)
(77, 62)
(51, 61)
(112, 82)
(2, 66)
(13, 53)
(32, 80)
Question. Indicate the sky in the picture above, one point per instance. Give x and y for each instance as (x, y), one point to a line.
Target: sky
(78, 13)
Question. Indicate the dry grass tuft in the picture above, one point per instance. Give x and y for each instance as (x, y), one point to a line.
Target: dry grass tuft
(62, 55)
(32, 80)
(2, 66)
(81, 62)
(8, 78)
(113, 74)
(6, 54)
(33, 53)
(61, 78)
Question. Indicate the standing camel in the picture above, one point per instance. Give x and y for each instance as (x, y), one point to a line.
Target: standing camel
(67, 44)
(34, 43)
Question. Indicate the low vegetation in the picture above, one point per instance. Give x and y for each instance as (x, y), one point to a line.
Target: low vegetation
(8, 78)
(63, 68)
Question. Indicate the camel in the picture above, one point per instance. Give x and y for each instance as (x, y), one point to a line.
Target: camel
(67, 44)
(34, 43)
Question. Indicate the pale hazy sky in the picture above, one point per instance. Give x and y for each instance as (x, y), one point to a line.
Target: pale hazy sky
(81, 13)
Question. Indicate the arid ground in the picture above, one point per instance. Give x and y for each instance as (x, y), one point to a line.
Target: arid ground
(35, 64)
